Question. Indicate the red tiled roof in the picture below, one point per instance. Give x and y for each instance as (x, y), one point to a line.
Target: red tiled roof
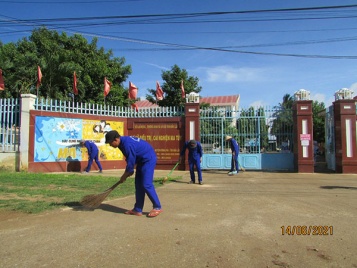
(145, 104)
(213, 101)
(221, 100)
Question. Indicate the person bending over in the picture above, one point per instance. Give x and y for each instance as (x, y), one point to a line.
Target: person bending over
(140, 153)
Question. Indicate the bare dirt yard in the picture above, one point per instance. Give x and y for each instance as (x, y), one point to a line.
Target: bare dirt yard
(253, 219)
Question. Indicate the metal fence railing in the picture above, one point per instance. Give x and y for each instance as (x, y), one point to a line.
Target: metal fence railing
(9, 125)
(104, 110)
(10, 115)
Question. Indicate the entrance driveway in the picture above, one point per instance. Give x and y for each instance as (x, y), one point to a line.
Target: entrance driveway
(254, 219)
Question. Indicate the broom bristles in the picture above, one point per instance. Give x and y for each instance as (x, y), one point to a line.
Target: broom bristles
(94, 200)
(164, 179)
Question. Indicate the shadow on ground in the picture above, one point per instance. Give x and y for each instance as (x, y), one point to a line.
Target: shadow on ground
(338, 187)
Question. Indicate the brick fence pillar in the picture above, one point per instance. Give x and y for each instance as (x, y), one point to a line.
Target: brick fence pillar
(303, 137)
(345, 136)
(192, 124)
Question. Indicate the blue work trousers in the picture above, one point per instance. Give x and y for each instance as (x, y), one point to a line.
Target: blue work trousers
(90, 162)
(144, 184)
(192, 162)
(234, 163)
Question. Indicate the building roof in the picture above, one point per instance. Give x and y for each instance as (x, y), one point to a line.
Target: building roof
(221, 100)
(232, 100)
(145, 104)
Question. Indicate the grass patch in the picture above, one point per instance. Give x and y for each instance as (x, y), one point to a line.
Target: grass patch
(38, 192)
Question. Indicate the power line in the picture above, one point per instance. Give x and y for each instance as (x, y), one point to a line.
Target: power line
(194, 14)
(71, 2)
(188, 47)
(173, 46)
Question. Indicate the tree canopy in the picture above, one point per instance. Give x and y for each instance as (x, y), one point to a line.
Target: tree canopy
(318, 120)
(172, 87)
(59, 56)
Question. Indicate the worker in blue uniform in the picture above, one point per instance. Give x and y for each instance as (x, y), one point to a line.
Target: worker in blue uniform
(140, 153)
(235, 152)
(93, 152)
(194, 159)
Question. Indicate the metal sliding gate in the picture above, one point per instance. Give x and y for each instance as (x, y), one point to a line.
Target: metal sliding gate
(265, 137)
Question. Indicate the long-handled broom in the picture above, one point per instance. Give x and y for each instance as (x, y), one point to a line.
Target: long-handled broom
(94, 200)
(167, 177)
(241, 168)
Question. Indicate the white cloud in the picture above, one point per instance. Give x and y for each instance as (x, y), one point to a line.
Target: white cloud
(230, 74)
(323, 98)
(157, 66)
(354, 88)
(318, 97)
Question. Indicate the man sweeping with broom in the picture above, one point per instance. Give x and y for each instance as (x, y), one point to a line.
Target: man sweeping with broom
(140, 153)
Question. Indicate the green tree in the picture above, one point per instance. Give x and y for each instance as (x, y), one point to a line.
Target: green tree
(318, 121)
(172, 87)
(282, 126)
(59, 56)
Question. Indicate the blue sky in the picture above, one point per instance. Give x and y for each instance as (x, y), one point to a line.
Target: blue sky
(259, 55)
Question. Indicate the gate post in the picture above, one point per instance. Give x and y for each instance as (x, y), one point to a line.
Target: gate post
(345, 134)
(303, 133)
(192, 120)
(27, 103)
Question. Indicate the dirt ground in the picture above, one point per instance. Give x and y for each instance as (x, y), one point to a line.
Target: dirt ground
(229, 221)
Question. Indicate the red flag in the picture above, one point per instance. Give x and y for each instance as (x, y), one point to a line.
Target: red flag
(107, 86)
(75, 90)
(182, 89)
(2, 84)
(39, 76)
(135, 106)
(133, 91)
(159, 92)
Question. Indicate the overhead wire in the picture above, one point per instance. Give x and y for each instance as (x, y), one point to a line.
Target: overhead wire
(62, 24)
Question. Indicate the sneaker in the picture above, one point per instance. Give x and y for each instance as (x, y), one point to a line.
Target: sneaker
(85, 172)
(230, 173)
(100, 171)
(234, 172)
(200, 183)
(191, 182)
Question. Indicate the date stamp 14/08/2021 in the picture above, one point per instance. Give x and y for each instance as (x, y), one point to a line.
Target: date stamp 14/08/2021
(307, 230)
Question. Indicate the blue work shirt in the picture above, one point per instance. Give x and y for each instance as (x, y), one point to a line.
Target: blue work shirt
(91, 148)
(136, 151)
(193, 153)
(234, 146)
